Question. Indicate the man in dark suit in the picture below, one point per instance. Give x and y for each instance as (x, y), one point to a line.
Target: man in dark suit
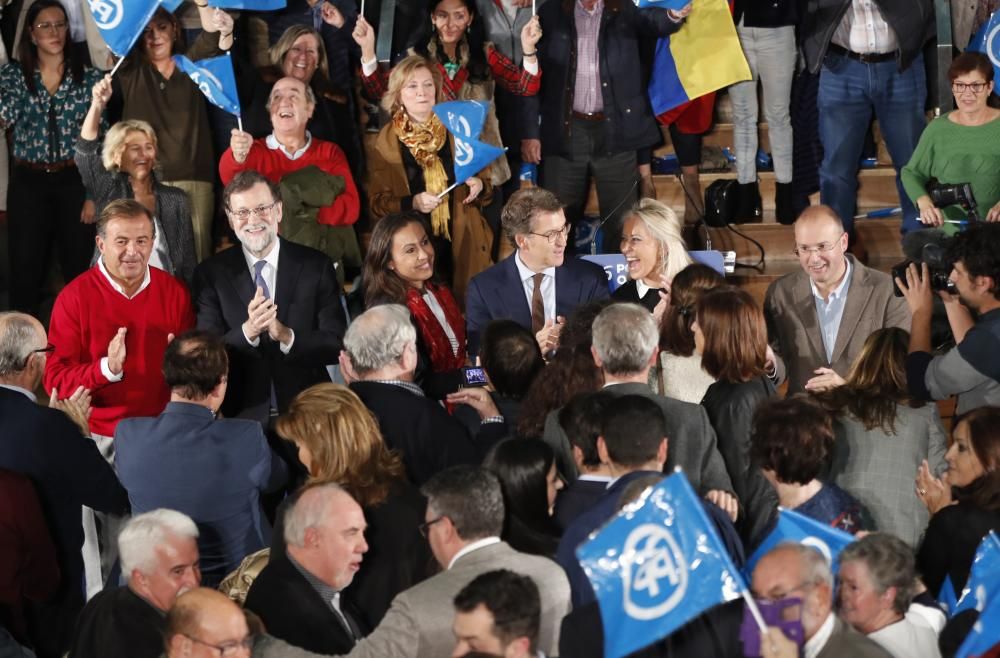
(535, 286)
(297, 595)
(276, 304)
(580, 420)
(63, 463)
(378, 363)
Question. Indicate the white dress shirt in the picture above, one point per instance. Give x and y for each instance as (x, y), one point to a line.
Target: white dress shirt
(816, 643)
(527, 277)
(476, 545)
(831, 311)
(270, 275)
(864, 30)
(438, 312)
(105, 370)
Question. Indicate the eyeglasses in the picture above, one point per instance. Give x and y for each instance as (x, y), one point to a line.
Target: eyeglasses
(821, 248)
(227, 649)
(259, 211)
(48, 349)
(974, 87)
(58, 26)
(424, 528)
(552, 236)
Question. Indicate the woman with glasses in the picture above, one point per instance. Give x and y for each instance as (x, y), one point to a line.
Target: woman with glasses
(125, 167)
(961, 147)
(338, 440)
(44, 96)
(412, 168)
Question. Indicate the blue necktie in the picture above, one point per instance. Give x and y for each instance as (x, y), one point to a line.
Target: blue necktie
(258, 277)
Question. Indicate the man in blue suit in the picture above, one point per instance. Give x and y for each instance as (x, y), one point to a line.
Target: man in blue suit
(536, 286)
(187, 460)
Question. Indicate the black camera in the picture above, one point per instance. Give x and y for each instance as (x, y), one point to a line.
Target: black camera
(934, 255)
(955, 194)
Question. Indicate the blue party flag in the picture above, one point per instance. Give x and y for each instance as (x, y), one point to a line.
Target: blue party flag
(171, 5)
(120, 22)
(985, 634)
(984, 577)
(255, 5)
(799, 528)
(657, 565)
(987, 41)
(215, 78)
(946, 597)
(464, 120)
(663, 4)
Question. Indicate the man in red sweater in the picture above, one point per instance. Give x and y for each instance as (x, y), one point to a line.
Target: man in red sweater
(110, 327)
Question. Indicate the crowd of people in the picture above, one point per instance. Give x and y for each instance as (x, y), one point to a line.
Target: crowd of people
(306, 393)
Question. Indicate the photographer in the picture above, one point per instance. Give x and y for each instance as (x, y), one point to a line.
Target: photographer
(971, 369)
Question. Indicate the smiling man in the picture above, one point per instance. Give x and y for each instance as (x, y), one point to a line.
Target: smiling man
(536, 286)
(275, 303)
(818, 318)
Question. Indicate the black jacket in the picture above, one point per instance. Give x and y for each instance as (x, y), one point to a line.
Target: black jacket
(118, 623)
(629, 124)
(911, 20)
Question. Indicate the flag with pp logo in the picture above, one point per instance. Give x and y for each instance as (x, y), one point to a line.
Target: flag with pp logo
(799, 528)
(255, 5)
(987, 41)
(215, 78)
(983, 584)
(121, 22)
(464, 120)
(657, 565)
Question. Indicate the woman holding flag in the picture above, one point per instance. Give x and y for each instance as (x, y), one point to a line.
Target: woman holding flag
(412, 164)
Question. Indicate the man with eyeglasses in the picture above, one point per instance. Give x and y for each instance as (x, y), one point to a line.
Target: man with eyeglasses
(818, 318)
(275, 303)
(204, 623)
(536, 286)
(801, 572)
(63, 463)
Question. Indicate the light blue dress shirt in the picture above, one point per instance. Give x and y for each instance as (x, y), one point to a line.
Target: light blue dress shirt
(831, 311)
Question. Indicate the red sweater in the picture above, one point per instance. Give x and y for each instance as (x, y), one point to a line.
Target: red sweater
(274, 164)
(86, 316)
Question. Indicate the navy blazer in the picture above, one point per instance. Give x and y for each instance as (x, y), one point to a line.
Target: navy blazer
(498, 293)
(212, 470)
(308, 300)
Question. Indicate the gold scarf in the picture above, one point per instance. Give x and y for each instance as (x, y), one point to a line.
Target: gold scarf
(424, 140)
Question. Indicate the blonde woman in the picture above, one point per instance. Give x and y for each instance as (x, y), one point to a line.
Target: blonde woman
(654, 250)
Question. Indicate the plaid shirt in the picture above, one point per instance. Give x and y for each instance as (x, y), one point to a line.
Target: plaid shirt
(587, 89)
(507, 75)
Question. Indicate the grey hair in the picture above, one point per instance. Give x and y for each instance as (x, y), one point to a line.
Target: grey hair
(665, 227)
(310, 96)
(143, 534)
(625, 337)
(470, 497)
(309, 511)
(890, 563)
(114, 141)
(378, 337)
(18, 338)
(815, 567)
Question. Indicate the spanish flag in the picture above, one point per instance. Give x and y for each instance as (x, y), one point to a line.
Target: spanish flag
(702, 57)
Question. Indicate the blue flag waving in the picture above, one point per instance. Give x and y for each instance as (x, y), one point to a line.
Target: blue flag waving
(256, 5)
(985, 634)
(984, 577)
(215, 78)
(464, 120)
(121, 22)
(663, 4)
(796, 527)
(987, 41)
(657, 565)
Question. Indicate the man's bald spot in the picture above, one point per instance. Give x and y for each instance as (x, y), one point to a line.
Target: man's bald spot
(184, 617)
(818, 215)
(9, 319)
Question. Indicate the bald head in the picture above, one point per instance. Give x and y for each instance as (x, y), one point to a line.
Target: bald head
(795, 570)
(325, 534)
(20, 336)
(203, 620)
(821, 244)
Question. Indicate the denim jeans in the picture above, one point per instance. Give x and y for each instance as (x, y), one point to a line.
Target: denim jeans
(849, 91)
(770, 52)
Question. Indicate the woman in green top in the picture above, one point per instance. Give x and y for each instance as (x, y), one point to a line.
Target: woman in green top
(961, 147)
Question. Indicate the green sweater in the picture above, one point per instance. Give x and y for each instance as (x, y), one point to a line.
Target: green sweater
(957, 154)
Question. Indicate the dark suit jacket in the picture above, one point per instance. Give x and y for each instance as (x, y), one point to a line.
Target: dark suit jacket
(576, 499)
(293, 611)
(845, 641)
(428, 438)
(118, 623)
(308, 300)
(629, 292)
(498, 293)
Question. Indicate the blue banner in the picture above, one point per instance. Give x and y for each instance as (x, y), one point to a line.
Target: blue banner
(796, 527)
(657, 565)
(121, 23)
(215, 78)
(662, 4)
(255, 5)
(985, 634)
(616, 267)
(987, 41)
(984, 577)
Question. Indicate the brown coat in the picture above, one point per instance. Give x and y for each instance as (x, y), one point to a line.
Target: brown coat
(471, 235)
(793, 324)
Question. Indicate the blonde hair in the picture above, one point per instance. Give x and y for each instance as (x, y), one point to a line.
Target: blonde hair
(114, 141)
(288, 39)
(344, 440)
(665, 227)
(402, 72)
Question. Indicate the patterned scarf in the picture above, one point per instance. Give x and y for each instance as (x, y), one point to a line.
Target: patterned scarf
(424, 140)
(443, 358)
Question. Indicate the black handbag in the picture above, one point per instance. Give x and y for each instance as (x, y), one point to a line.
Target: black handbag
(721, 199)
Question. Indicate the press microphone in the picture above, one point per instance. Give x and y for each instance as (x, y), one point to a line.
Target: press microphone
(600, 225)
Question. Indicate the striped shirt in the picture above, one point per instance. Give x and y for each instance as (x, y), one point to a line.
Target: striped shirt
(587, 92)
(864, 30)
